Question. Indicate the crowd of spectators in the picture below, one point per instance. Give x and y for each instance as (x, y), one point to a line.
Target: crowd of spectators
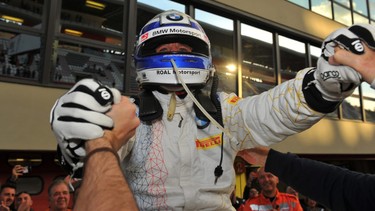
(59, 193)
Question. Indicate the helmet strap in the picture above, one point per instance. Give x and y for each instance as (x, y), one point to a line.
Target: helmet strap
(149, 107)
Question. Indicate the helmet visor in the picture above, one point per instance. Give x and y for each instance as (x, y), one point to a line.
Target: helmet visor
(198, 46)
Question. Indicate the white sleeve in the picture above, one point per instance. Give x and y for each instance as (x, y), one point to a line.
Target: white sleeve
(269, 117)
(125, 149)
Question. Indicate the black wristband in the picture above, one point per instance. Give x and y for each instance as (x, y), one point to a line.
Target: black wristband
(313, 96)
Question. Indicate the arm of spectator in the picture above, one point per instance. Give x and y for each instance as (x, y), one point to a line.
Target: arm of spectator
(364, 64)
(16, 172)
(257, 155)
(335, 187)
(104, 184)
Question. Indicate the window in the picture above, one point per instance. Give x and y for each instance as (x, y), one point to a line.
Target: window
(292, 56)
(220, 32)
(97, 20)
(342, 14)
(20, 45)
(22, 13)
(89, 43)
(19, 55)
(345, 3)
(360, 6)
(163, 5)
(73, 62)
(303, 3)
(322, 7)
(368, 102)
(315, 54)
(345, 11)
(351, 107)
(359, 19)
(258, 70)
(372, 9)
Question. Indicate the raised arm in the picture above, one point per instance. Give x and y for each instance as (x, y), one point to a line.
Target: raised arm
(104, 184)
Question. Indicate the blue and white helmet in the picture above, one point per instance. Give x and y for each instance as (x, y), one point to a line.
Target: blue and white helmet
(155, 69)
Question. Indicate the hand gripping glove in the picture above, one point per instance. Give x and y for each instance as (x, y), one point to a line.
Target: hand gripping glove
(79, 115)
(366, 32)
(336, 82)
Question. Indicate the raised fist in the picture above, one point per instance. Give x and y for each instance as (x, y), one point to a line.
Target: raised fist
(80, 115)
(337, 82)
(363, 63)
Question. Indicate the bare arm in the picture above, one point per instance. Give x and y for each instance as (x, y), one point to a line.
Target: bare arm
(104, 186)
(364, 64)
(256, 155)
(16, 172)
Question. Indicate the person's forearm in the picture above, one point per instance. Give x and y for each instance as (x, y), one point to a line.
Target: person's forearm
(104, 186)
(335, 187)
(362, 63)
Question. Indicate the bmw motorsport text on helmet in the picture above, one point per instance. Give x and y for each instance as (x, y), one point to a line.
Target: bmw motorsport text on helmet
(155, 69)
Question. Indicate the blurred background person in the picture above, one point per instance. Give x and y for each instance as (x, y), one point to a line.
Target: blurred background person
(270, 197)
(59, 196)
(23, 201)
(253, 193)
(7, 195)
(251, 182)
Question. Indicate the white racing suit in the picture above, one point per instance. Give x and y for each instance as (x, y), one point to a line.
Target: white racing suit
(170, 164)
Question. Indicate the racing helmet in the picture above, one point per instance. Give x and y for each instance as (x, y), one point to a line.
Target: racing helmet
(155, 69)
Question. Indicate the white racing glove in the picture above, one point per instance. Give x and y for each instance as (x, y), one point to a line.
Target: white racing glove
(366, 32)
(79, 115)
(336, 82)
